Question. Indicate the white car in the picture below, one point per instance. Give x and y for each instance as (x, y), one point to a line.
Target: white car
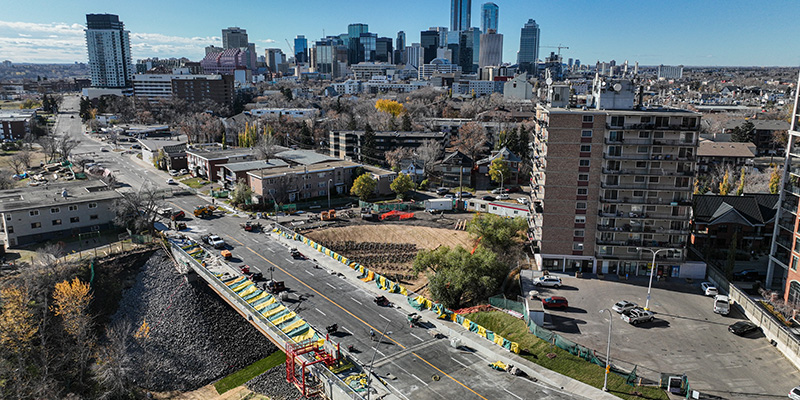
(171, 181)
(795, 393)
(551, 281)
(709, 289)
(623, 306)
(502, 196)
(522, 200)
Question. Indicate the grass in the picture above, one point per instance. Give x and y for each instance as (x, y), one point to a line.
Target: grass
(195, 183)
(535, 350)
(249, 372)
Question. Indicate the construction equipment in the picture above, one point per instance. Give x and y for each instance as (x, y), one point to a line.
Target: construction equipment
(177, 215)
(276, 287)
(251, 227)
(204, 211)
(382, 301)
(226, 254)
(401, 215)
(414, 319)
(559, 47)
(296, 254)
(180, 226)
(328, 215)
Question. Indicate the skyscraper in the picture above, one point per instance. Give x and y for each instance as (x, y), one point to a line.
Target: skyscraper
(489, 15)
(109, 48)
(234, 38)
(354, 32)
(300, 49)
(529, 47)
(429, 40)
(491, 50)
(468, 50)
(400, 48)
(460, 14)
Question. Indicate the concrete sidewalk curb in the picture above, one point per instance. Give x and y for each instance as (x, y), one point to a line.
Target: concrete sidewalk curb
(487, 349)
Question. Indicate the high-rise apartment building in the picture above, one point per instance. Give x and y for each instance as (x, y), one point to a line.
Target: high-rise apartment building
(109, 48)
(234, 38)
(300, 49)
(785, 251)
(528, 54)
(670, 71)
(413, 54)
(611, 183)
(491, 49)
(489, 17)
(460, 14)
(275, 58)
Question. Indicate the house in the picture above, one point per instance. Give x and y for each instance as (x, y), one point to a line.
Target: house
(719, 154)
(512, 160)
(205, 160)
(174, 152)
(383, 179)
(38, 213)
(500, 208)
(764, 133)
(234, 172)
(750, 217)
(454, 169)
(413, 168)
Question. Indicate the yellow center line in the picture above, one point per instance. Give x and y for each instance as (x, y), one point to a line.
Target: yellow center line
(365, 323)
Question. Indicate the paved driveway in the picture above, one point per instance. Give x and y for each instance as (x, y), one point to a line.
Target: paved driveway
(686, 337)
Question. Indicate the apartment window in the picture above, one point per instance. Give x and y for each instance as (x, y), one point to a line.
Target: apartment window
(34, 213)
(577, 246)
(583, 191)
(653, 179)
(92, 205)
(588, 118)
(657, 150)
(36, 225)
(321, 184)
(55, 210)
(638, 193)
(74, 220)
(583, 177)
(56, 222)
(586, 133)
(73, 208)
(586, 148)
(638, 179)
(641, 164)
(578, 233)
(617, 120)
(8, 217)
(645, 120)
(581, 205)
(632, 250)
(658, 135)
(794, 263)
(584, 163)
(10, 229)
(93, 217)
(642, 149)
(644, 135)
(580, 219)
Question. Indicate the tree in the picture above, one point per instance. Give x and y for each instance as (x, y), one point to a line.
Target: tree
(390, 106)
(744, 132)
(401, 184)
(241, 193)
(363, 187)
(65, 145)
(85, 106)
(159, 159)
(17, 325)
(49, 147)
(731, 261)
(406, 123)
(16, 164)
(396, 156)
(5, 180)
(71, 301)
(498, 170)
(306, 137)
(775, 181)
(266, 146)
(368, 146)
(138, 210)
(428, 153)
(471, 140)
(114, 363)
(497, 233)
(725, 186)
(740, 188)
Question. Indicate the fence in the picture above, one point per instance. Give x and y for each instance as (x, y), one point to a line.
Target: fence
(391, 206)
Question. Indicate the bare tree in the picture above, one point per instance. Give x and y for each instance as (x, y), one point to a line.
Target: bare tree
(16, 164)
(24, 156)
(114, 363)
(266, 147)
(471, 140)
(65, 145)
(49, 147)
(138, 211)
(5, 180)
(428, 153)
(397, 155)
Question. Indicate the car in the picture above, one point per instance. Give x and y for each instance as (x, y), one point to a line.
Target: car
(743, 328)
(465, 195)
(171, 181)
(523, 200)
(104, 150)
(442, 190)
(214, 241)
(183, 172)
(795, 393)
(747, 275)
(500, 190)
(173, 172)
(722, 304)
(623, 306)
(488, 198)
(503, 196)
(637, 315)
(136, 146)
(550, 281)
(709, 289)
(555, 302)
(448, 196)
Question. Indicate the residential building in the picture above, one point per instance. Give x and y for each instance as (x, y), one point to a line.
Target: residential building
(611, 182)
(711, 155)
(234, 38)
(765, 133)
(491, 49)
(473, 88)
(749, 218)
(15, 124)
(109, 47)
(490, 13)
(513, 162)
(518, 89)
(294, 113)
(174, 153)
(301, 182)
(460, 14)
(234, 172)
(275, 58)
(366, 70)
(39, 213)
(528, 55)
(189, 87)
(413, 54)
(454, 170)
(785, 251)
(205, 160)
(300, 49)
(439, 65)
(348, 144)
(670, 72)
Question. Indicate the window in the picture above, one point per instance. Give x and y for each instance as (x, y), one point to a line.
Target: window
(56, 222)
(617, 120)
(645, 120)
(642, 149)
(581, 205)
(8, 217)
(586, 148)
(73, 208)
(588, 118)
(638, 193)
(55, 210)
(34, 213)
(644, 135)
(92, 205)
(584, 163)
(586, 133)
(657, 150)
(583, 177)
(93, 217)
(74, 220)
(580, 219)
(578, 233)
(653, 179)
(641, 164)
(577, 246)
(36, 225)
(583, 191)
(639, 179)
(794, 263)
(632, 250)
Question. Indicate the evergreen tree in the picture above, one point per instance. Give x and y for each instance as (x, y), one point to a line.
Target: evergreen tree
(306, 137)
(407, 123)
(743, 133)
(352, 125)
(368, 147)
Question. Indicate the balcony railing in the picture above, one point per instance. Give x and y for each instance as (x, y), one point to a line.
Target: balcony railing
(642, 229)
(631, 215)
(650, 141)
(643, 200)
(654, 157)
(647, 256)
(643, 186)
(653, 126)
(641, 243)
(645, 171)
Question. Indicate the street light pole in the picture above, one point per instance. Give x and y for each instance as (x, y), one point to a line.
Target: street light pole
(372, 362)
(502, 178)
(652, 272)
(329, 193)
(608, 349)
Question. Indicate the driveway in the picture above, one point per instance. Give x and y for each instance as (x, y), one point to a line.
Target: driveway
(687, 337)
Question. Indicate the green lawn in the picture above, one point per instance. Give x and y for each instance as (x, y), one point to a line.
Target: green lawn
(251, 371)
(535, 350)
(195, 183)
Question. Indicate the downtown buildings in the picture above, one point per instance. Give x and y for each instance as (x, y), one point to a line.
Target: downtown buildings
(528, 55)
(109, 48)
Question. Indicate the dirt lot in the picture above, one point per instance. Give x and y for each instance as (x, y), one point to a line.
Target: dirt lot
(371, 246)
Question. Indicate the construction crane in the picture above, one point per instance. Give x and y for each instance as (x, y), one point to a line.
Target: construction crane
(291, 47)
(559, 47)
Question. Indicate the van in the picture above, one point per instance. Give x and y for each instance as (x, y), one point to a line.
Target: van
(722, 304)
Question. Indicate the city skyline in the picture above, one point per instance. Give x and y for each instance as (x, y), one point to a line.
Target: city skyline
(686, 33)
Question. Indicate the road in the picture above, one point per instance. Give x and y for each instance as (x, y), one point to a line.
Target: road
(412, 362)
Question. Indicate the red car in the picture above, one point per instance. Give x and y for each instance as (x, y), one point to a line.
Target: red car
(555, 302)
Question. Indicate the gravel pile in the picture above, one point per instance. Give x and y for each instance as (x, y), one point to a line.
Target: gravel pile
(195, 338)
(273, 385)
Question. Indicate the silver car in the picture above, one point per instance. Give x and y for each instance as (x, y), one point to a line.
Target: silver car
(709, 289)
(623, 306)
(550, 281)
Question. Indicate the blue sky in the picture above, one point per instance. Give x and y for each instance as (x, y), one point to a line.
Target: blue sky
(705, 32)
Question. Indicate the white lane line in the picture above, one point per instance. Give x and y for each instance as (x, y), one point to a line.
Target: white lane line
(426, 383)
(308, 272)
(506, 390)
(420, 339)
(345, 329)
(270, 249)
(380, 352)
(330, 285)
(256, 241)
(460, 363)
(356, 301)
(319, 311)
(290, 261)
(384, 318)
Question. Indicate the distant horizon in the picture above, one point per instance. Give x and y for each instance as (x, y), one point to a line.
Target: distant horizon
(631, 66)
(683, 32)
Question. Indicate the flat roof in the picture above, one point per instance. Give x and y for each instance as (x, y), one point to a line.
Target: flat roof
(152, 144)
(708, 148)
(272, 172)
(51, 195)
(643, 111)
(251, 165)
(304, 157)
(215, 153)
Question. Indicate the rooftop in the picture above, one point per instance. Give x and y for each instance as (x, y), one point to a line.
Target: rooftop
(279, 171)
(643, 111)
(155, 145)
(303, 157)
(51, 195)
(215, 152)
(708, 148)
(765, 124)
(251, 165)
(756, 208)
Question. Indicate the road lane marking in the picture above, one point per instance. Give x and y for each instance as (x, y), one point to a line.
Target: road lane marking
(330, 285)
(460, 363)
(384, 318)
(365, 323)
(380, 352)
(346, 330)
(270, 249)
(290, 261)
(419, 338)
(308, 272)
(356, 301)
(320, 311)
(423, 382)
(507, 391)
(409, 373)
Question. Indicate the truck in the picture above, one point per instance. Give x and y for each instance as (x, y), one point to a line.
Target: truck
(439, 205)
(214, 241)
(722, 304)
(637, 315)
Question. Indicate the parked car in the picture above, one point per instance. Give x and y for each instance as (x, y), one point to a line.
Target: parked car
(555, 302)
(550, 281)
(442, 190)
(722, 304)
(136, 146)
(523, 200)
(795, 393)
(448, 196)
(465, 195)
(637, 315)
(503, 196)
(173, 172)
(104, 150)
(623, 306)
(743, 328)
(214, 241)
(488, 198)
(171, 181)
(709, 289)
(747, 275)
(183, 172)
(500, 190)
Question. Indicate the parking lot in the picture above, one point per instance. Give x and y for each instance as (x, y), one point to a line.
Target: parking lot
(686, 337)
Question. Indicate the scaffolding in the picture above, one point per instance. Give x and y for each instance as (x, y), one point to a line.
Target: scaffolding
(297, 365)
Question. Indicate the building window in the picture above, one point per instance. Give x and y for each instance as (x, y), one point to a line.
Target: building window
(618, 120)
(586, 133)
(641, 164)
(55, 210)
(642, 149)
(639, 179)
(10, 229)
(644, 135)
(584, 163)
(632, 250)
(93, 217)
(34, 213)
(74, 220)
(583, 191)
(583, 177)
(56, 222)
(8, 217)
(653, 179)
(92, 205)
(588, 118)
(794, 263)
(36, 225)
(581, 205)
(577, 246)
(638, 193)
(580, 219)
(579, 233)
(73, 208)
(657, 149)
(586, 148)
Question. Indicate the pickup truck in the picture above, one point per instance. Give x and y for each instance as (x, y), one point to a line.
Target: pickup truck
(214, 241)
(637, 315)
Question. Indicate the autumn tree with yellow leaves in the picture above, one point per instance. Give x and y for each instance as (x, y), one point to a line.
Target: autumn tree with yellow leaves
(71, 301)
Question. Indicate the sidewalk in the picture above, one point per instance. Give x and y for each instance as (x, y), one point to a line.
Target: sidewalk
(489, 350)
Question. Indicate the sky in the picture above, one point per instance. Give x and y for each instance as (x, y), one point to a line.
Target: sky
(673, 32)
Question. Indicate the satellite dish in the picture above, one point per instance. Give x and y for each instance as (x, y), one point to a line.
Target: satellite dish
(549, 81)
(617, 87)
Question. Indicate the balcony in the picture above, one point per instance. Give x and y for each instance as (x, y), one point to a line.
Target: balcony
(651, 142)
(637, 256)
(631, 215)
(641, 229)
(644, 186)
(653, 157)
(642, 243)
(643, 200)
(632, 127)
(646, 172)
